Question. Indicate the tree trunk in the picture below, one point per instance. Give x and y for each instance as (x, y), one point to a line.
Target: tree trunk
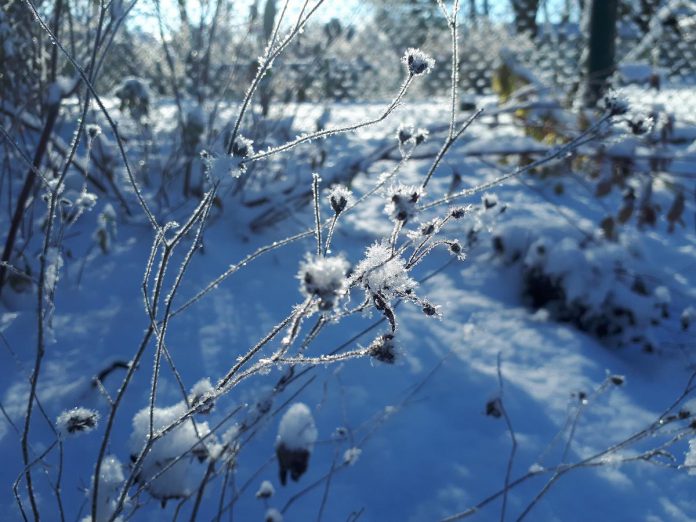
(601, 48)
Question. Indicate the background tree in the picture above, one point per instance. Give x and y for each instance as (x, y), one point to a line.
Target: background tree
(525, 16)
(601, 47)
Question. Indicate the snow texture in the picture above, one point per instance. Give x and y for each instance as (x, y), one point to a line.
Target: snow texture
(185, 475)
(297, 430)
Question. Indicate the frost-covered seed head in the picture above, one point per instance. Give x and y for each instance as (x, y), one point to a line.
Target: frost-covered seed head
(494, 408)
(458, 212)
(86, 200)
(456, 249)
(430, 309)
(489, 201)
(616, 105)
(380, 272)
(617, 380)
(428, 228)
(242, 147)
(383, 349)
(409, 134)
(340, 197)
(325, 278)
(273, 515)
(405, 133)
(76, 421)
(403, 202)
(93, 130)
(266, 490)
(417, 62)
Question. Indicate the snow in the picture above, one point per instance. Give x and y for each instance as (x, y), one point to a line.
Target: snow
(273, 515)
(266, 490)
(111, 480)
(421, 421)
(297, 430)
(183, 476)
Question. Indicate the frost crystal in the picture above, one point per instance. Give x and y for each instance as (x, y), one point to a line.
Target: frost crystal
(76, 421)
(690, 460)
(266, 490)
(54, 263)
(86, 200)
(382, 272)
(325, 278)
(184, 476)
(224, 165)
(340, 197)
(403, 202)
(417, 62)
(351, 455)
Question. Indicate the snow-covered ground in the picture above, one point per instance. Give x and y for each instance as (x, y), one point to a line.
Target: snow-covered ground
(421, 439)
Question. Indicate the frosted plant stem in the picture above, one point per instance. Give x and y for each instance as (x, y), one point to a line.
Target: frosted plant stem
(41, 306)
(513, 439)
(104, 111)
(593, 460)
(112, 417)
(453, 24)
(278, 244)
(446, 146)
(335, 130)
(200, 214)
(317, 216)
(325, 496)
(267, 62)
(586, 136)
(330, 233)
(201, 489)
(254, 350)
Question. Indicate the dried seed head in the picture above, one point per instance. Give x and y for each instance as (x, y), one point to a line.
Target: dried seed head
(93, 130)
(617, 380)
(242, 147)
(417, 62)
(403, 202)
(383, 349)
(458, 212)
(494, 408)
(76, 421)
(616, 105)
(340, 197)
(266, 490)
(325, 278)
(431, 310)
